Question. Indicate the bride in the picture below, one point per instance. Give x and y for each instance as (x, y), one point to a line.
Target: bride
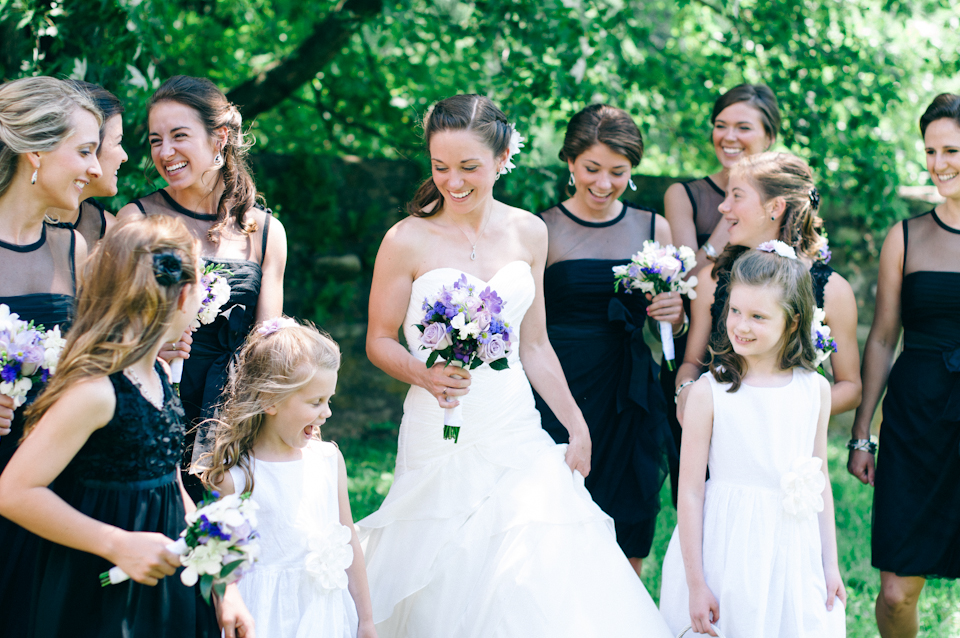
(495, 535)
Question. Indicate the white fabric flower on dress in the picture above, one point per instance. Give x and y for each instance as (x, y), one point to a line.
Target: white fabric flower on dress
(777, 246)
(513, 147)
(802, 487)
(330, 555)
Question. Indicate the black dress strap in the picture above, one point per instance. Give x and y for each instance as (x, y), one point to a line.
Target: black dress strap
(693, 202)
(266, 229)
(653, 226)
(103, 217)
(140, 206)
(73, 259)
(904, 265)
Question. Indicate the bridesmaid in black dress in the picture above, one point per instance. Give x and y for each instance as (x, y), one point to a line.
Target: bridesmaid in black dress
(91, 219)
(96, 474)
(598, 334)
(197, 146)
(49, 135)
(916, 503)
(746, 120)
(772, 196)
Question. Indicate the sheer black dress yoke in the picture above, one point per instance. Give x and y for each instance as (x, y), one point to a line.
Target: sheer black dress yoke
(37, 283)
(916, 502)
(598, 337)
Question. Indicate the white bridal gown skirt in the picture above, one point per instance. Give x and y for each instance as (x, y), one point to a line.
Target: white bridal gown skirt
(494, 536)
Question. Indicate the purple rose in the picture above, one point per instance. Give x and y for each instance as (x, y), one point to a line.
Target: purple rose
(483, 320)
(32, 359)
(495, 348)
(435, 337)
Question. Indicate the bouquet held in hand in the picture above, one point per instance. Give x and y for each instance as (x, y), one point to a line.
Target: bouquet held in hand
(217, 548)
(464, 328)
(28, 354)
(214, 280)
(823, 343)
(654, 270)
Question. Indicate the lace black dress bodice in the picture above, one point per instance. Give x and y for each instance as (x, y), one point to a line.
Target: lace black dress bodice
(139, 443)
(705, 197)
(819, 272)
(597, 334)
(91, 222)
(916, 505)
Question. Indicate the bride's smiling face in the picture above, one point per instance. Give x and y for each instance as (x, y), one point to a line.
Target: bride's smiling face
(464, 169)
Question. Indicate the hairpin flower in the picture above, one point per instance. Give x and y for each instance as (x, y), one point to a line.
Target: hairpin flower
(777, 246)
(270, 326)
(513, 147)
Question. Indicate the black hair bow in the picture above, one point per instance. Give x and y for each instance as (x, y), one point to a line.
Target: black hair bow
(167, 268)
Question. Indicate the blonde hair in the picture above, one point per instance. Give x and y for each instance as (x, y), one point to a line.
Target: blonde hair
(792, 278)
(124, 306)
(270, 368)
(36, 116)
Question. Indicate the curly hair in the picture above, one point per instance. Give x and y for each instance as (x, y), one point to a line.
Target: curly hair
(792, 278)
(270, 368)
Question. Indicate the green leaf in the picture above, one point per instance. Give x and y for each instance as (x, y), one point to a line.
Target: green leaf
(206, 584)
(500, 364)
(476, 363)
(220, 588)
(229, 567)
(432, 359)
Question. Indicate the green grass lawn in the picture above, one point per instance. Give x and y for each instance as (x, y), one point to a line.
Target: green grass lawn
(370, 465)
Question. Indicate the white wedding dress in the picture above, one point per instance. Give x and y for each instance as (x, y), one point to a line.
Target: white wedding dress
(494, 536)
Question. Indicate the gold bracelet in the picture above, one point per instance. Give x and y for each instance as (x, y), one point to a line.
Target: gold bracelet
(684, 327)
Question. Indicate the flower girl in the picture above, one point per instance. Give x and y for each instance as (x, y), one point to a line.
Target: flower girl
(754, 552)
(310, 578)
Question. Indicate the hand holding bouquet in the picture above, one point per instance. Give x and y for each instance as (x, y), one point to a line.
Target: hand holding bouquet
(217, 548)
(654, 270)
(28, 354)
(464, 328)
(214, 280)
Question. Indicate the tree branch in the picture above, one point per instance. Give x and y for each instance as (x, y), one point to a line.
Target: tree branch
(263, 92)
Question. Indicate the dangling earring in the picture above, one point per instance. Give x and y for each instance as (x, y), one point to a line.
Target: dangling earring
(497, 178)
(218, 160)
(571, 181)
(632, 186)
(33, 180)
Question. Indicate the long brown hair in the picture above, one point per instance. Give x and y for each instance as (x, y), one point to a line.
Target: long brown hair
(270, 368)
(787, 176)
(216, 112)
(792, 278)
(124, 306)
(475, 113)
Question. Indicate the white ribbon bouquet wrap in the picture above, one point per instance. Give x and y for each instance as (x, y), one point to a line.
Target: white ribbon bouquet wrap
(214, 279)
(654, 270)
(28, 355)
(464, 328)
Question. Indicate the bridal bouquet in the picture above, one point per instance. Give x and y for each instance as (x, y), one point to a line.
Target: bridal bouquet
(217, 548)
(824, 344)
(464, 328)
(654, 270)
(28, 354)
(214, 280)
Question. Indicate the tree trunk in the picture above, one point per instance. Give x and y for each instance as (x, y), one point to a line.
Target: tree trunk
(263, 92)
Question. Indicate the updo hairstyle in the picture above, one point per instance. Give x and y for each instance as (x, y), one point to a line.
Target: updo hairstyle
(107, 102)
(945, 106)
(760, 97)
(474, 113)
(603, 124)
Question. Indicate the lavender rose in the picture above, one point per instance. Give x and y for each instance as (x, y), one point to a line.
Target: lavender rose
(435, 337)
(495, 348)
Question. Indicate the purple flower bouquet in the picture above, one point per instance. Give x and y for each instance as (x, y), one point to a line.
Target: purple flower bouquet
(464, 328)
(28, 354)
(214, 281)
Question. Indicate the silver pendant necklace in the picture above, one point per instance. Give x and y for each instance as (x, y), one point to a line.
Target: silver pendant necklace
(473, 246)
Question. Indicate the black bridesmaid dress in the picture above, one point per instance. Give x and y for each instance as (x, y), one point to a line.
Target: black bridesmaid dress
(916, 503)
(91, 222)
(124, 475)
(215, 344)
(38, 284)
(598, 337)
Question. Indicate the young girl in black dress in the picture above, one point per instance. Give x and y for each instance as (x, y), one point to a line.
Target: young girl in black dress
(916, 504)
(106, 437)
